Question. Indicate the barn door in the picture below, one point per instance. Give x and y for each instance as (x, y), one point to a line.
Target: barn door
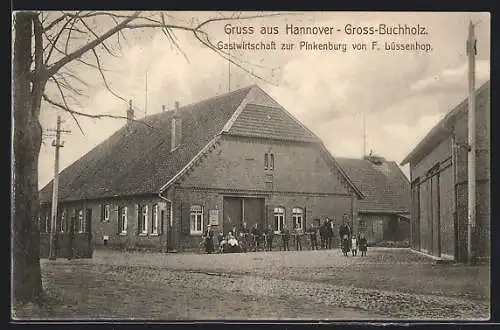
(253, 212)
(232, 213)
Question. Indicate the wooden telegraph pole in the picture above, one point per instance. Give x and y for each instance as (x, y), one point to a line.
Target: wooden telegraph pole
(55, 186)
(471, 168)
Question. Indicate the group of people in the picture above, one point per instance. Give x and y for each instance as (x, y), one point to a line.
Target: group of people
(254, 239)
(239, 240)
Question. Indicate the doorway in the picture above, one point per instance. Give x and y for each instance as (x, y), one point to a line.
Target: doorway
(236, 210)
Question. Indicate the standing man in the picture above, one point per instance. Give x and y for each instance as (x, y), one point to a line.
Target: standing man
(285, 235)
(312, 236)
(209, 240)
(269, 237)
(244, 232)
(344, 228)
(256, 236)
(297, 233)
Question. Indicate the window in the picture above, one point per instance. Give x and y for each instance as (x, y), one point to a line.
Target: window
(105, 212)
(279, 219)
(122, 220)
(298, 218)
(269, 161)
(81, 222)
(43, 222)
(196, 220)
(62, 224)
(46, 219)
(154, 227)
(143, 220)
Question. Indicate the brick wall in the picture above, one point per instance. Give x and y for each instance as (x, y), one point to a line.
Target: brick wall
(110, 227)
(238, 163)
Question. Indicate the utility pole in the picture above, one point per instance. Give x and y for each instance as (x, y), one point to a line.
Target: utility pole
(364, 134)
(471, 168)
(229, 65)
(146, 97)
(55, 186)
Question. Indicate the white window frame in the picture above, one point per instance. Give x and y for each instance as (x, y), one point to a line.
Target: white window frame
(123, 220)
(46, 218)
(62, 227)
(81, 222)
(107, 212)
(155, 220)
(196, 219)
(279, 219)
(144, 220)
(298, 213)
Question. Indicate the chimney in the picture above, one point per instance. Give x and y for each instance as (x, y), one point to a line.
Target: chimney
(176, 132)
(130, 113)
(376, 160)
(163, 108)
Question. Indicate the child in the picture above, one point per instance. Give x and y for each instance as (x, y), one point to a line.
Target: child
(354, 246)
(363, 244)
(345, 245)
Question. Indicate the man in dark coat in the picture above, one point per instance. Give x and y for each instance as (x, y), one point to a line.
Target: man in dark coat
(269, 237)
(344, 229)
(285, 235)
(209, 239)
(256, 233)
(312, 236)
(244, 234)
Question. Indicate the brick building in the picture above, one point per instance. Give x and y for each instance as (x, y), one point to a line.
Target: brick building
(384, 213)
(158, 182)
(438, 167)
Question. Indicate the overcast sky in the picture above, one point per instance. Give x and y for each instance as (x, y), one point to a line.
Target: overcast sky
(403, 94)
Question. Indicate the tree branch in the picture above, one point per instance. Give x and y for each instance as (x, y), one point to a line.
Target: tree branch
(224, 56)
(103, 43)
(104, 77)
(79, 52)
(216, 19)
(99, 116)
(55, 22)
(66, 104)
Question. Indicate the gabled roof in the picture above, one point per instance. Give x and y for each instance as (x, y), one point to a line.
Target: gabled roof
(139, 161)
(385, 187)
(445, 126)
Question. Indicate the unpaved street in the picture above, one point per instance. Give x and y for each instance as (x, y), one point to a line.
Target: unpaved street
(387, 284)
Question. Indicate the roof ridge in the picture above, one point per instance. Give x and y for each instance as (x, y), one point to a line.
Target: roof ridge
(216, 97)
(290, 114)
(443, 122)
(150, 116)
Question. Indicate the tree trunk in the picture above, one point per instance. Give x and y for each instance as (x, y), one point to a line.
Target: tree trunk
(26, 280)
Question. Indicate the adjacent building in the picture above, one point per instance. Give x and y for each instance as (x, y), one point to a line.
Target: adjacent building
(439, 183)
(384, 213)
(158, 182)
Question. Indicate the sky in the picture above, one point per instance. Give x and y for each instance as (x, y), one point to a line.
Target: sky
(401, 94)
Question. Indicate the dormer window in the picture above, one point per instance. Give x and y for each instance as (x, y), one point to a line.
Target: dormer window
(269, 161)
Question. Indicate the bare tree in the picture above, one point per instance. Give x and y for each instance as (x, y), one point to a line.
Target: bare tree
(45, 44)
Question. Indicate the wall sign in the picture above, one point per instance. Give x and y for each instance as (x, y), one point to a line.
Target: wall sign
(214, 217)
